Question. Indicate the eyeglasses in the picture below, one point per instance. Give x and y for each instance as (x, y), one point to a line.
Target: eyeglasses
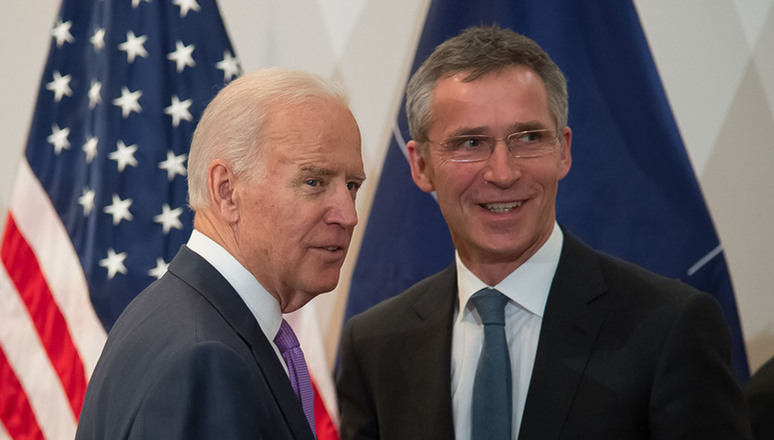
(479, 147)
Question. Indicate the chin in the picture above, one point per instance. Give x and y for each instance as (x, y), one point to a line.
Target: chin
(323, 287)
(328, 288)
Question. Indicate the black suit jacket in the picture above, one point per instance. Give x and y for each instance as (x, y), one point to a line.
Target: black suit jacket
(622, 354)
(188, 360)
(759, 393)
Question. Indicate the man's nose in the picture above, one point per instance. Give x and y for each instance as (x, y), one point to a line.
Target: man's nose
(342, 207)
(502, 168)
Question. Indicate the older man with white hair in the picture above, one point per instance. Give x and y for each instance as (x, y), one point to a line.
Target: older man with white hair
(274, 168)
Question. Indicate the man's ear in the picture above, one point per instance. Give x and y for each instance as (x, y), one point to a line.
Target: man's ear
(565, 156)
(221, 186)
(420, 172)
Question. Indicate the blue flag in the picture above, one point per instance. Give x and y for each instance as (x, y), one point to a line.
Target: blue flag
(631, 191)
(99, 206)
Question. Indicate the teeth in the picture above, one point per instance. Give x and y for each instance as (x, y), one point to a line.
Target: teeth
(331, 248)
(501, 207)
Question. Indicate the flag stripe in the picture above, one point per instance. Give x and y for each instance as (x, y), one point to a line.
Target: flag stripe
(40, 224)
(27, 357)
(15, 410)
(55, 280)
(323, 424)
(705, 259)
(22, 266)
(3, 432)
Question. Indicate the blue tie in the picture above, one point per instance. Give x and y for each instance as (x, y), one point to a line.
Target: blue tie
(492, 387)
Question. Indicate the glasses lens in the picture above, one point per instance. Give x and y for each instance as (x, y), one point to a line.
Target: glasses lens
(532, 143)
(523, 144)
(470, 148)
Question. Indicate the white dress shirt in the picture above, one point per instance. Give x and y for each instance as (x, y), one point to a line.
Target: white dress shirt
(261, 303)
(527, 288)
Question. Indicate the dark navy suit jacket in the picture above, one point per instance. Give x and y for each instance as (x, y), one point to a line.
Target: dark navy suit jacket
(188, 360)
(623, 354)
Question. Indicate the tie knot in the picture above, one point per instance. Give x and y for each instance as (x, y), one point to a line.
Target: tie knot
(490, 304)
(285, 338)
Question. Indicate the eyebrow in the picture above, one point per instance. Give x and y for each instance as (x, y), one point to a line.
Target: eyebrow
(327, 172)
(513, 128)
(464, 131)
(317, 171)
(524, 126)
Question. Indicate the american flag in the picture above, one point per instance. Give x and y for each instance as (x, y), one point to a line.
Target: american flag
(99, 204)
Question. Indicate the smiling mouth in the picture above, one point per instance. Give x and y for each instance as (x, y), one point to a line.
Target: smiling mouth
(500, 207)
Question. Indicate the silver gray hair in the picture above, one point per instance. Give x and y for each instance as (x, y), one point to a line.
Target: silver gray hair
(478, 51)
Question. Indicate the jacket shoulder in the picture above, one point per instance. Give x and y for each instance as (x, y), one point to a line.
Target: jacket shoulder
(425, 296)
(613, 274)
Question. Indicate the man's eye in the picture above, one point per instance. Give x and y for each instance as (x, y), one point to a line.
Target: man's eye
(468, 143)
(353, 186)
(312, 182)
(531, 136)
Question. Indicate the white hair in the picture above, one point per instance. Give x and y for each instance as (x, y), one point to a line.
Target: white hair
(232, 125)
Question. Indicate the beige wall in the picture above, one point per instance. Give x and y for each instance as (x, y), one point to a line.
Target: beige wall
(716, 59)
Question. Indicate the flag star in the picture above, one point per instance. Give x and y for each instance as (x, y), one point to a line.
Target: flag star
(58, 138)
(60, 86)
(95, 94)
(98, 39)
(123, 155)
(229, 65)
(114, 263)
(179, 110)
(182, 56)
(136, 3)
(119, 209)
(186, 5)
(173, 165)
(169, 218)
(133, 46)
(129, 102)
(160, 269)
(61, 32)
(87, 201)
(90, 148)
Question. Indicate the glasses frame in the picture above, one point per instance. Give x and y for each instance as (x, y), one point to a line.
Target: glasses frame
(554, 141)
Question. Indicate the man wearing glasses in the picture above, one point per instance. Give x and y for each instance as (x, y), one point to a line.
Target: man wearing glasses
(530, 334)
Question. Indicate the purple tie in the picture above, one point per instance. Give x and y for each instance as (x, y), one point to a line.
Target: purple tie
(299, 375)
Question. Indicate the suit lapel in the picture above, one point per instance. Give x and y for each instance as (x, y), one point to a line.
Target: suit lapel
(570, 326)
(197, 272)
(430, 347)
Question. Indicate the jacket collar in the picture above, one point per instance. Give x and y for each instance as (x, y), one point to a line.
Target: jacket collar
(208, 282)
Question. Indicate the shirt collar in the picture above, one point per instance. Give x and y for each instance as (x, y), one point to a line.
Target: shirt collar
(528, 285)
(261, 303)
